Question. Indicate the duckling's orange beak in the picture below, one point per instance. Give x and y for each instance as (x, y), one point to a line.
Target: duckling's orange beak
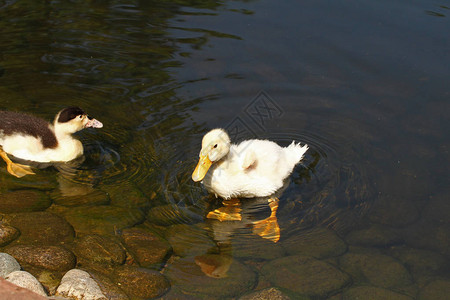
(202, 168)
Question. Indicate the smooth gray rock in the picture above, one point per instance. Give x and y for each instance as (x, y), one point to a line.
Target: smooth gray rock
(79, 284)
(8, 264)
(27, 281)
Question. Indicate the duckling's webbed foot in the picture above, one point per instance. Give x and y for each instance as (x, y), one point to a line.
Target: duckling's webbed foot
(15, 169)
(269, 228)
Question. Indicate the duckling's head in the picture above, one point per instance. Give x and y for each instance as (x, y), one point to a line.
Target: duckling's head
(215, 146)
(73, 119)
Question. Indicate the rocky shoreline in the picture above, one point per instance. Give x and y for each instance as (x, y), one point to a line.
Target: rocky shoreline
(112, 252)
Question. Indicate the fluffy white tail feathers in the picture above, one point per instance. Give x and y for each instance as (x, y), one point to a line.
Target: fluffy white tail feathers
(295, 152)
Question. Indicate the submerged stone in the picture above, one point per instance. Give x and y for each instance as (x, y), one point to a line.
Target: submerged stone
(269, 293)
(372, 293)
(126, 195)
(140, 282)
(254, 247)
(394, 211)
(149, 249)
(95, 197)
(318, 243)
(376, 269)
(103, 220)
(54, 258)
(374, 236)
(42, 228)
(7, 234)
(435, 290)
(201, 277)
(305, 276)
(167, 215)
(23, 201)
(420, 262)
(189, 240)
(99, 249)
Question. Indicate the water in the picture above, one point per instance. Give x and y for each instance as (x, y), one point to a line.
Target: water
(365, 84)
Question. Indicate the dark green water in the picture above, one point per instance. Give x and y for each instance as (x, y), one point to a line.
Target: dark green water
(364, 83)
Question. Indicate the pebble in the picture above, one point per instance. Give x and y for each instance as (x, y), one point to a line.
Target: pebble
(24, 201)
(54, 258)
(42, 228)
(27, 281)
(377, 269)
(149, 249)
(79, 284)
(269, 293)
(305, 276)
(319, 243)
(372, 293)
(140, 282)
(7, 234)
(8, 264)
(95, 248)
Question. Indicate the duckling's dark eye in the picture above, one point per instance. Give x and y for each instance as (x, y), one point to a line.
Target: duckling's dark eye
(80, 116)
(215, 146)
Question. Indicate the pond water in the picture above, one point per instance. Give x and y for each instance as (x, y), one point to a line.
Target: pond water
(364, 83)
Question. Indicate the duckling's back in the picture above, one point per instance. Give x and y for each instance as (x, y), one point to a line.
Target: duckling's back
(17, 123)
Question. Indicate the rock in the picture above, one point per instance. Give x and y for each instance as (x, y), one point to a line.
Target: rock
(27, 281)
(102, 220)
(428, 235)
(394, 211)
(254, 247)
(269, 293)
(55, 258)
(376, 269)
(80, 285)
(24, 201)
(305, 276)
(95, 197)
(126, 195)
(8, 264)
(50, 280)
(149, 249)
(10, 291)
(140, 282)
(372, 293)
(435, 290)
(167, 215)
(420, 262)
(111, 290)
(42, 228)
(7, 234)
(374, 236)
(99, 249)
(189, 240)
(318, 243)
(195, 276)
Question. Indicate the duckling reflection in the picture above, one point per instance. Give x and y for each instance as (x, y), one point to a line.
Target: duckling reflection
(235, 215)
(214, 265)
(33, 139)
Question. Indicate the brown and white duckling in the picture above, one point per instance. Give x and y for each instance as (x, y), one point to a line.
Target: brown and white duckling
(30, 138)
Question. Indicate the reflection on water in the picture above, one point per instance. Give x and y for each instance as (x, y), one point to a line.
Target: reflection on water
(365, 89)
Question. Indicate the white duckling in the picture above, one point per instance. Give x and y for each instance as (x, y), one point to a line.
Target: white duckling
(30, 138)
(253, 168)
